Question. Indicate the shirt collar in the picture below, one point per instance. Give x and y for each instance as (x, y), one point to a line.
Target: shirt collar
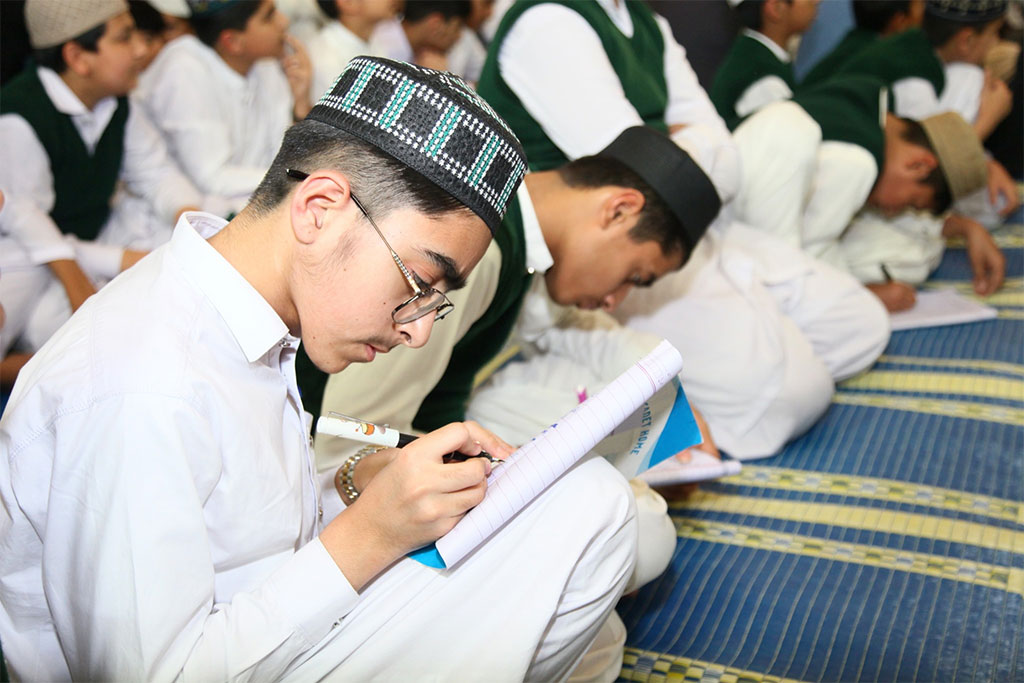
(65, 100)
(768, 43)
(255, 325)
(619, 14)
(337, 31)
(538, 256)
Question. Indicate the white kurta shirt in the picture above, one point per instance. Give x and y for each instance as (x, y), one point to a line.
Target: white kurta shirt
(223, 128)
(28, 236)
(331, 49)
(159, 514)
(555, 64)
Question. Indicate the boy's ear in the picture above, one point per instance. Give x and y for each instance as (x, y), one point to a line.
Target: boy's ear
(920, 163)
(231, 41)
(75, 57)
(322, 191)
(962, 42)
(773, 10)
(620, 207)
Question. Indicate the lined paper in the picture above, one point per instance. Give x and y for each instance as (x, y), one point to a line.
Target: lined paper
(536, 465)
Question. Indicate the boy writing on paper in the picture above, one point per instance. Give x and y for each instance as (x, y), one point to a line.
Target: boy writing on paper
(169, 483)
(764, 329)
(810, 164)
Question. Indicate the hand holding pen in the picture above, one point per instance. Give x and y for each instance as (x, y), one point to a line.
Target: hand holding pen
(354, 429)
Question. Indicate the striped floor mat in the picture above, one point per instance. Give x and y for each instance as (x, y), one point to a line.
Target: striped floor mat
(887, 544)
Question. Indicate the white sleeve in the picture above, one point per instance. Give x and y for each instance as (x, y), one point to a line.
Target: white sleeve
(760, 93)
(704, 135)
(197, 131)
(962, 94)
(27, 184)
(915, 98)
(97, 260)
(149, 171)
(135, 596)
(555, 64)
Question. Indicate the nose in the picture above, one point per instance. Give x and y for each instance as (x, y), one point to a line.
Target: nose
(416, 333)
(613, 299)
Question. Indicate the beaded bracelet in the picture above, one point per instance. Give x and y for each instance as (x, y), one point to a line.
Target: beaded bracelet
(344, 480)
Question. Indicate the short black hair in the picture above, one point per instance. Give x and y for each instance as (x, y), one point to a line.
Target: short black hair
(147, 19)
(380, 181)
(941, 30)
(913, 132)
(234, 17)
(53, 57)
(750, 15)
(421, 9)
(875, 15)
(330, 8)
(656, 221)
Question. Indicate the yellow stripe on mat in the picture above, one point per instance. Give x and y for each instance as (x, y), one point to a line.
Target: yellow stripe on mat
(1012, 287)
(939, 383)
(878, 489)
(962, 363)
(992, 576)
(934, 406)
(858, 517)
(672, 669)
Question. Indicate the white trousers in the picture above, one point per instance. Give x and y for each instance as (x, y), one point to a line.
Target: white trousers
(35, 305)
(764, 331)
(524, 606)
(797, 187)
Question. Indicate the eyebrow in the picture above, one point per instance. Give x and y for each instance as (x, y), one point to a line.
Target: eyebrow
(451, 274)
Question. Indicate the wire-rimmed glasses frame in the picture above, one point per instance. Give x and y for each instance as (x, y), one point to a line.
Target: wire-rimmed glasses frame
(424, 299)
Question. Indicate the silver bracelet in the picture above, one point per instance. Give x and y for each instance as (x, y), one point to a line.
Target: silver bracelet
(345, 478)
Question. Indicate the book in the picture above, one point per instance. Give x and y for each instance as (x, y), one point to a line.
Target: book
(701, 467)
(540, 462)
(940, 307)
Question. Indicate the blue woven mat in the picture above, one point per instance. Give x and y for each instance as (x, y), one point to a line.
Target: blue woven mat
(887, 544)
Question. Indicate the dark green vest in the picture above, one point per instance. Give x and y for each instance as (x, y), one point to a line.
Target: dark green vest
(747, 62)
(82, 183)
(848, 109)
(855, 40)
(638, 62)
(447, 401)
(893, 58)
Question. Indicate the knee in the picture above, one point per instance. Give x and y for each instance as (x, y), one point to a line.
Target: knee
(871, 336)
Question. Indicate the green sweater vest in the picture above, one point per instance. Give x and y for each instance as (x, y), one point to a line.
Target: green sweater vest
(638, 61)
(82, 183)
(904, 55)
(487, 336)
(855, 40)
(849, 109)
(747, 62)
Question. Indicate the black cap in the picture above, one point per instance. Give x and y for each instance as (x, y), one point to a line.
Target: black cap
(967, 11)
(673, 174)
(433, 122)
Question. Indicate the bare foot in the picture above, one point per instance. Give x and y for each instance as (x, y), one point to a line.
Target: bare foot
(896, 296)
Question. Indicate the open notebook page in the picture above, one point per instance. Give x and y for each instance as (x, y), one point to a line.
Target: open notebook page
(536, 465)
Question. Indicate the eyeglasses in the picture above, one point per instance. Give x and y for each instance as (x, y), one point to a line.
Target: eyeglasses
(425, 300)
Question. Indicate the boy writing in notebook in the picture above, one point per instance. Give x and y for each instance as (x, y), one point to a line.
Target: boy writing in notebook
(169, 483)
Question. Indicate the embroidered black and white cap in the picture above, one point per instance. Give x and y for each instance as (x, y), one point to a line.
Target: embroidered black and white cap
(433, 122)
(967, 11)
(673, 174)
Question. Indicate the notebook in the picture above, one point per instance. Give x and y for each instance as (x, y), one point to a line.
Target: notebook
(536, 465)
(941, 307)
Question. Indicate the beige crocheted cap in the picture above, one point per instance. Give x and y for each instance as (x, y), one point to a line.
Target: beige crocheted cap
(959, 152)
(54, 22)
